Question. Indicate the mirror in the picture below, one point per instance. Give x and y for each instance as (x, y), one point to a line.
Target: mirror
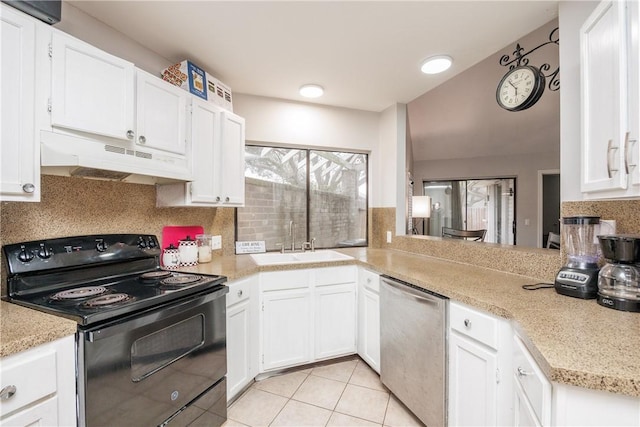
(458, 132)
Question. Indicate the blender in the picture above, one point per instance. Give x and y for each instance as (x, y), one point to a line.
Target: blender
(579, 277)
(619, 278)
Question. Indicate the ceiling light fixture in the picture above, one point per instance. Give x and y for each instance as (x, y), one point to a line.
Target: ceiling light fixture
(311, 91)
(436, 64)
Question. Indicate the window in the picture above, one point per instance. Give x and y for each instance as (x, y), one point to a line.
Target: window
(295, 195)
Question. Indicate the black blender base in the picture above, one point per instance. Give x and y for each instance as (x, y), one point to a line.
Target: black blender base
(576, 291)
(619, 304)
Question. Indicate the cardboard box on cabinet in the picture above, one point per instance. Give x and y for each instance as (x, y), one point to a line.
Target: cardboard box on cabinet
(195, 80)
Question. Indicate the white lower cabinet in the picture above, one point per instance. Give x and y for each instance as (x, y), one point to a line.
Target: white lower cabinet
(307, 315)
(369, 318)
(479, 368)
(39, 385)
(242, 334)
(532, 395)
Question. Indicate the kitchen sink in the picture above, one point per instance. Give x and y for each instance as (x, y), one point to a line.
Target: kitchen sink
(274, 258)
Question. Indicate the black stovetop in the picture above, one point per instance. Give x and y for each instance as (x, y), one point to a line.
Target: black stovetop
(119, 273)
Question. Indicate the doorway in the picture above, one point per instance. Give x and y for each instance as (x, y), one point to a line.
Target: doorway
(548, 205)
(474, 204)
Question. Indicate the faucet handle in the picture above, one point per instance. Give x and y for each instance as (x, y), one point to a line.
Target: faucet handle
(313, 244)
(281, 247)
(305, 246)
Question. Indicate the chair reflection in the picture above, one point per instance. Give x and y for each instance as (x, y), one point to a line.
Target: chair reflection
(473, 235)
(553, 241)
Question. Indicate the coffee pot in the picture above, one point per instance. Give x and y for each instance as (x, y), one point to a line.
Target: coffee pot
(619, 278)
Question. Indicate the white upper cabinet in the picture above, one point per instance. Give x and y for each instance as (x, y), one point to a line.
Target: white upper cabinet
(609, 62)
(161, 110)
(633, 147)
(20, 160)
(92, 91)
(216, 137)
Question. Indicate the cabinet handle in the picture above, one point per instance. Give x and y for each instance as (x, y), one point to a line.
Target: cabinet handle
(142, 139)
(28, 188)
(218, 199)
(226, 199)
(522, 373)
(628, 156)
(610, 148)
(130, 134)
(467, 323)
(7, 392)
(239, 293)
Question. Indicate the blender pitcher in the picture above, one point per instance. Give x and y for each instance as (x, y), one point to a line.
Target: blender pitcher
(579, 277)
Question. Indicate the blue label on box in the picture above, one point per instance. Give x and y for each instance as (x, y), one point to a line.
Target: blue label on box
(197, 80)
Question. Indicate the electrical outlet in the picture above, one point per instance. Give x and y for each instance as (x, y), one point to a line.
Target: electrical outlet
(216, 242)
(388, 237)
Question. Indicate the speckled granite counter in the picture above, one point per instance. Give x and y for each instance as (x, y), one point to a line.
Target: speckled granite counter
(22, 328)
(574, 341)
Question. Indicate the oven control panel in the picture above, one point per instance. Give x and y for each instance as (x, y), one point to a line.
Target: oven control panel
(41, 255)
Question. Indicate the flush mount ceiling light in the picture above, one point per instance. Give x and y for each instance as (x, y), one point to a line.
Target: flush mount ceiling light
(436, 64)
(311, 91)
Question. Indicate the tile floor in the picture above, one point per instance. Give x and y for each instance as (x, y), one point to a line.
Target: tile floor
(344, 393)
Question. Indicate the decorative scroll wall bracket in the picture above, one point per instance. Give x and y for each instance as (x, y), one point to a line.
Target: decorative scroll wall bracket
(520, 58)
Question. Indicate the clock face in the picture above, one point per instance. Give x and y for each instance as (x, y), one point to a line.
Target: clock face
(520, 88)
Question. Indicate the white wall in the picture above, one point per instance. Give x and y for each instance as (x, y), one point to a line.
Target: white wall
(571, 16)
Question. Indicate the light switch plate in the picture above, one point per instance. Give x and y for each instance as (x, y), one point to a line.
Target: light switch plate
(388, 237)
(216, 242)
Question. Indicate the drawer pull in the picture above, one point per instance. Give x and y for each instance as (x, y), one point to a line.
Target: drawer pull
(522, 372)
(239, 293)
(467, 323)
(7, 392)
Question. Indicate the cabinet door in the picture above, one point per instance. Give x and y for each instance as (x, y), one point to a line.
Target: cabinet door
(161, 110)
(231, 160)
(43, 414)
(238, 348)
(604, 98)
(92, 91)
(633, 147)
(524, 414)
(20, 160)
(335, 331)
(472, 383)
(286, 323)
(369, 328)
(205, 135)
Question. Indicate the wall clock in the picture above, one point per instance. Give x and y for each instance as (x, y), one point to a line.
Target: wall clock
(520, 88)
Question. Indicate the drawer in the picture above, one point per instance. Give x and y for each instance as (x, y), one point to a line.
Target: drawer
(536, 386)
(474, 324)
(335, 275)
(32, 374)
(239, 290)
(370, 280)
(281, 280)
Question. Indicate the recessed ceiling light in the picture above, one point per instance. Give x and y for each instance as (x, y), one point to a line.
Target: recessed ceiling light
(311, 91)
(436, 64)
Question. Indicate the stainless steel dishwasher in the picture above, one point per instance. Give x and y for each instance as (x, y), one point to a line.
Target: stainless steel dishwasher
(413, 348)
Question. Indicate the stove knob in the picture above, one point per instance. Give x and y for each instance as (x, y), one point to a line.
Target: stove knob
(43, 252)
(151, 244)
(141, 243)
(24, 255)
(101, 246)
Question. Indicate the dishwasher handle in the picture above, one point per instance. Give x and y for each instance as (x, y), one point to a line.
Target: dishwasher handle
(407, 290)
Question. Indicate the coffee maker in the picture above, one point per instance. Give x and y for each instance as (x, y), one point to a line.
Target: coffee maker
(619, 278)
(579, 277)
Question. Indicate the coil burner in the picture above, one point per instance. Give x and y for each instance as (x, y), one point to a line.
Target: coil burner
(106, 300)
(79, 293)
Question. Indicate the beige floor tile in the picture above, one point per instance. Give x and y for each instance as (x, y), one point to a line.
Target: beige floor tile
(342, 420)
(340, 371)
(256, 408)
(364, 403)
(399, 416)
(300, 414)
(282, 385)
(364, 376)
(320, 391)
(233, 423)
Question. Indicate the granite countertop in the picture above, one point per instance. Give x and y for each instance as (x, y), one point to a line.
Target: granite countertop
(574, 341)
(22, 328)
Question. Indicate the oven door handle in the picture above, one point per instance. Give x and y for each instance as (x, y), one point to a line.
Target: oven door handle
(154, 315)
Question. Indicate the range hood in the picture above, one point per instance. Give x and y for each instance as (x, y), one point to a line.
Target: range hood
(67, 155)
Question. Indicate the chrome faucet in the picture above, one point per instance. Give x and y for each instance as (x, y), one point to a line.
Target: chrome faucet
(292, 235)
